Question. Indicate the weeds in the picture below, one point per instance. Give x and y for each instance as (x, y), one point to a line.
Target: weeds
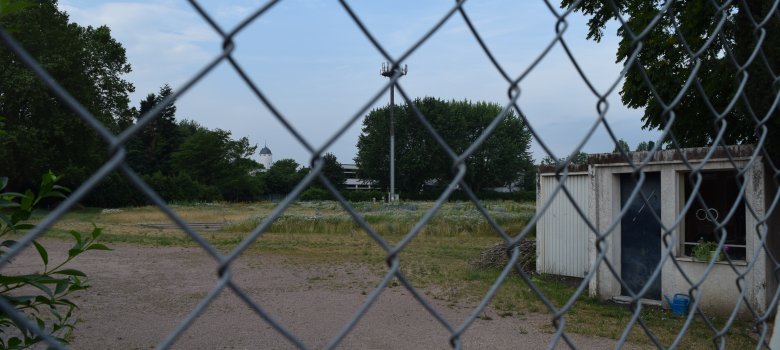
(436, 260)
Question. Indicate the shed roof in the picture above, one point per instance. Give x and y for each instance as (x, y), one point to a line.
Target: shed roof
(690, 154)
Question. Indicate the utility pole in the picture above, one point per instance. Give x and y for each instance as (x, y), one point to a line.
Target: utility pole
(389, 71)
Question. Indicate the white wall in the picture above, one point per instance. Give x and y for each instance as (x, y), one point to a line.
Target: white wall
(720, 292)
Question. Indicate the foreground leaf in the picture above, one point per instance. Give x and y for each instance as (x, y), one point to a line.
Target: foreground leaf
(98, 246)
(71, 272)
(42, 252)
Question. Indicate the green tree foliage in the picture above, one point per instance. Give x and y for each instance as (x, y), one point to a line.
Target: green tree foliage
(182, 188)
(88, 63)
(3, 133)
(183, 161)
(283, 175)
(333, 171)
(645, 146)
(668, 65)
(42, 297)
(188, 128)
(529, 180)
(498, 162)
(150, 150)
(621, 145)
(10, 6)
(212, 158)
(579, 158)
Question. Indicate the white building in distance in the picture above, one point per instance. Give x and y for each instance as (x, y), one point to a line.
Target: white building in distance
(352, 182)
(266, 158)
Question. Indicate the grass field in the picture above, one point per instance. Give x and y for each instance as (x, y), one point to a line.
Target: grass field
(436, 260)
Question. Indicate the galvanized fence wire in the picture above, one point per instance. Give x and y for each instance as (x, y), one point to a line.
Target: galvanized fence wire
(665, 12)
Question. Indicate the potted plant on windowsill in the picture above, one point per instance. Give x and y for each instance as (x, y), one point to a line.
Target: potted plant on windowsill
(705, 250)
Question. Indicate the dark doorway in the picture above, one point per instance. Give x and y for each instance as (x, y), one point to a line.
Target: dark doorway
(640, 247)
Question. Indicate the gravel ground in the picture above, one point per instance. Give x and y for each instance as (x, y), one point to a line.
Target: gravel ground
(139, 294)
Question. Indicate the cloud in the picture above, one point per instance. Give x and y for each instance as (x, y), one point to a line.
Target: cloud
(234, 12)
(165, 42)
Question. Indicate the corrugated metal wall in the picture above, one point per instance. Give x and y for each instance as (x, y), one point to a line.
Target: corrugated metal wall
(562, 235)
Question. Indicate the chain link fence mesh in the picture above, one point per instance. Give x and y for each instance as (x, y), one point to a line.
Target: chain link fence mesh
(757, 258)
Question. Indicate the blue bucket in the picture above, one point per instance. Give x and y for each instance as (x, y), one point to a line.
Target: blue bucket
(679, 304)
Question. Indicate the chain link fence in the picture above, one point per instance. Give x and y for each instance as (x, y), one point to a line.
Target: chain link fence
(742, 230)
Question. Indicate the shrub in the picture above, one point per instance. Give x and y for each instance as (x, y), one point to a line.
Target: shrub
(181, 188)
(41, 298)
(114, 192)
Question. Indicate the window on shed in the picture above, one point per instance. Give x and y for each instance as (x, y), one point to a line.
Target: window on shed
(720, 192)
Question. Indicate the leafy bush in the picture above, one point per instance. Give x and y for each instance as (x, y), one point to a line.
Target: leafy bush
(42, 297)
(181, 187)
(114, 192)
(237, 188)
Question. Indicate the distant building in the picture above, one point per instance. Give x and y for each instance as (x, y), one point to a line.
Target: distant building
(266, 158)
(352, 181)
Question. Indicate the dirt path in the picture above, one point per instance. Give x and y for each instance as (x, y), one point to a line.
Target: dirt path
(140, 294)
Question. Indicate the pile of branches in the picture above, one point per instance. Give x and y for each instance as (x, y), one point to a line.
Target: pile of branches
(497, 256)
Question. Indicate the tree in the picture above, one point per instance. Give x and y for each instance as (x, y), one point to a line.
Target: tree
(212, 158)
(621, 145)
(499, 161)
(529, 180)
(645, 146)
(10, 6)
(503, 157)
(188, 128)
(283, 176)
(578, 159)
(150, 150)
(89, 64)
(333, 170)
(668, 65)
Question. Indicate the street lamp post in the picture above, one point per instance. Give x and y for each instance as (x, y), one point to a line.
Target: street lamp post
(389, 71)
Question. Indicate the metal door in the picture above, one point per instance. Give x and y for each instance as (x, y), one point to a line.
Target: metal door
(640, 245)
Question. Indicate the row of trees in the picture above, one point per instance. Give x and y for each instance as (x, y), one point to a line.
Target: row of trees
(582, 157)
(502, 160)
(182, 160)
(39, 133)
(642, 146)
(185, 161)
(209, 157)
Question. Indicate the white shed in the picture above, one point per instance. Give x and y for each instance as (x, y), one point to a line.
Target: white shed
(637, 242)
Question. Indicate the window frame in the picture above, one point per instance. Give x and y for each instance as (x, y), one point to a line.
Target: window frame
(682, 178)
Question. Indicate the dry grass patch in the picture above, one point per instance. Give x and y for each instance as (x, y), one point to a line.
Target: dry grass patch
(437, 260)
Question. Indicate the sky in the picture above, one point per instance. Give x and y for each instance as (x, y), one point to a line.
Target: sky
(317, 68)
